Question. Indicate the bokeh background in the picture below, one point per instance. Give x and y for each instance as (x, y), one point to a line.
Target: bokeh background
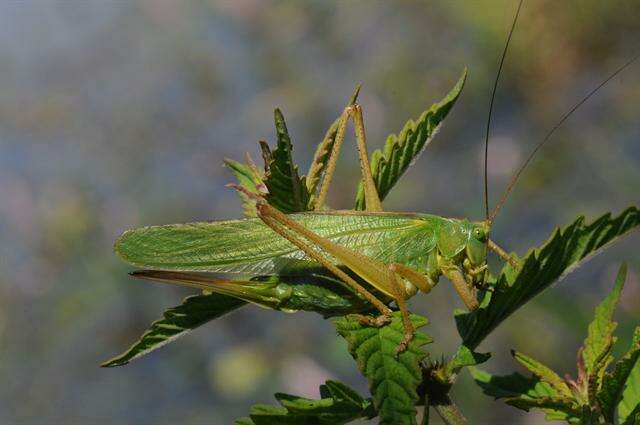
(117, 114)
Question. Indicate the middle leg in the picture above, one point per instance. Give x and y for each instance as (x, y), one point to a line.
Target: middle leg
(503, 254)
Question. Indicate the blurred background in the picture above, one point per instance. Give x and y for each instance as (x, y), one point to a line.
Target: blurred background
(118, 114)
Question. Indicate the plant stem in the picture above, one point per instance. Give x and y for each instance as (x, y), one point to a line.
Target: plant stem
(425, 415)
(449, 412)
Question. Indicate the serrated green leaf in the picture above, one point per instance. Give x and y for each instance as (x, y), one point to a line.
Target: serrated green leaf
(262, 414)
(614, 382)
(629, 406)
(600, 339)
(513, 385)
(557, 405)
(324, 408)
(320, 161)
(338, 405)
(400, 151)
(287, 191)
(339, 391)
(303, 406)
(555, 415)
(633, 418)
(303, 287)
(599, 343)
(595, 393)
(540, 268)
(176, 322)
(393, 379)
(323, 152)
(465, 357)
(544, 373)
(250, 179)
(526, 393)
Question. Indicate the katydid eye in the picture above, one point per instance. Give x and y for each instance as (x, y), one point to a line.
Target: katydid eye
(479, 234)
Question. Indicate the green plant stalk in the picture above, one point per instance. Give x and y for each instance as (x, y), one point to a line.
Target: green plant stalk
(449, 412)
(425, 414)
(434, 392)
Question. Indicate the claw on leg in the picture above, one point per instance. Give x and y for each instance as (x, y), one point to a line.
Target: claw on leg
(467, 293)
(376, 322)
(382, 320)
(409, 331)
(406, 340)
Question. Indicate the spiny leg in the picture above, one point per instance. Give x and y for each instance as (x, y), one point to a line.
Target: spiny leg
(455, 275)
(400, 296)
(372, 198)
(311, 244)
(480, 278)
(333, 159)
(477, 274)
(419, 280)
(409, 330)
(502, 254)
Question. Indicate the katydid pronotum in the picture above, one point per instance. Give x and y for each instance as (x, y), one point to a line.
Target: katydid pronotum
(392, 254)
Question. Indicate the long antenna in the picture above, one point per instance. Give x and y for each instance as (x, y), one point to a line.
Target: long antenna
(493, 96)
(566, 116)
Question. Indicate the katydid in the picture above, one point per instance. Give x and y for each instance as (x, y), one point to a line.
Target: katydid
(395, 253)
(383, 257)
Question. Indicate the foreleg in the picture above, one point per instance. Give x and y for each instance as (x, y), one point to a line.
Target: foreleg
(503, 254)
(466, 291)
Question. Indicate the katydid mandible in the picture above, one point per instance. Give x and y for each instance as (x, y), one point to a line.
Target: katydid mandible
(383, 257)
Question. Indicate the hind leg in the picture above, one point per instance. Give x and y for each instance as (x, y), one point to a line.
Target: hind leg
(372, 198)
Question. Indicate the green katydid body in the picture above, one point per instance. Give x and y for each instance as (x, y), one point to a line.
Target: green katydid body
(425, 243)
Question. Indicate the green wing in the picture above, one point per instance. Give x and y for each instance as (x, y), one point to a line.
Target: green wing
(248, 246)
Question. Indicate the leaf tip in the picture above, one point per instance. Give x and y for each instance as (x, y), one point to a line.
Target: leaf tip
(461, 80)
(115, 362)
(229, 163)
(622, 273)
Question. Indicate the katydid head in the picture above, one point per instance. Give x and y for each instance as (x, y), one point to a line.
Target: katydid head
(464, 241)
(476, 249)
